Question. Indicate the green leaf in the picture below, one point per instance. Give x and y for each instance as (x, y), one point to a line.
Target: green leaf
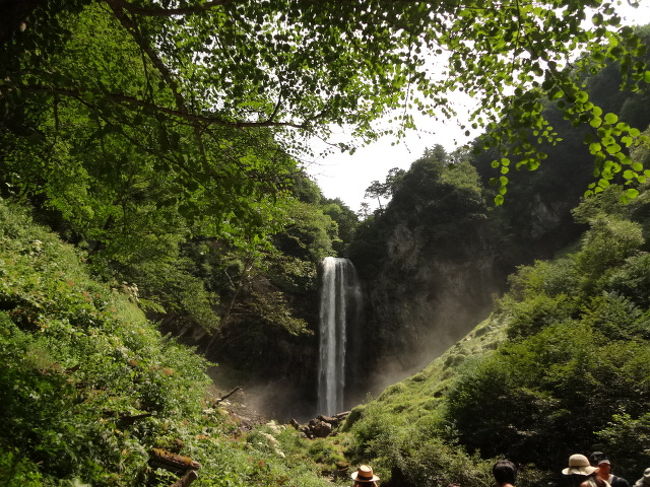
(596, 122)
(594, 147)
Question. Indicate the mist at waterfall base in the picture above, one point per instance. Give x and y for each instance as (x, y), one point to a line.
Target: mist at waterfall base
(387, 336)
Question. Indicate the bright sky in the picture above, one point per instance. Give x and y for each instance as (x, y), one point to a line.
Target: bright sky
(347, 176)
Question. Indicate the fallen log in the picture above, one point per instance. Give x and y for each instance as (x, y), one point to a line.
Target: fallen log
(223, 398)
(173, 462)
(186, 479)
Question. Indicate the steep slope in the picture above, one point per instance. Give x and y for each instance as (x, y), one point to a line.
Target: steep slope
(89, 387)
(430, 266)
(561, 365)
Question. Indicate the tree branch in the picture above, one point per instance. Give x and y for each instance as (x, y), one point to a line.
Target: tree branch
(223, 398)
(193, 118)
(132, 28)
(167, 12)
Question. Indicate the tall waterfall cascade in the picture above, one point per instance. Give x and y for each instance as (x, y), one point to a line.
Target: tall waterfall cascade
(340, 305)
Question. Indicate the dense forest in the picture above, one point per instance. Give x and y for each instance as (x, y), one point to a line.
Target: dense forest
(161, 241)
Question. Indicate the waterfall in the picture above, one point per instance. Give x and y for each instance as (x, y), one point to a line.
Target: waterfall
(339, 307)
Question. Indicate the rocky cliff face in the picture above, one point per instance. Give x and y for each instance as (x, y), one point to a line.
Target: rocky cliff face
(432, 266)
(424, 298)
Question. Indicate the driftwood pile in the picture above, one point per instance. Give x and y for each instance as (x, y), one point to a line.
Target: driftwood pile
(321, 426)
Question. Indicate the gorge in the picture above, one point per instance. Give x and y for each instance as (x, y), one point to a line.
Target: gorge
(176, 288)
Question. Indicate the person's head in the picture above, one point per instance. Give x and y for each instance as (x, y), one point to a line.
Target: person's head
(364, 476)
(578, 468)
(596, 457)
(604, 467)
(505, 472)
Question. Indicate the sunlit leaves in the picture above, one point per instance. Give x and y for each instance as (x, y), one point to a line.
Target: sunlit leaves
(290, 64)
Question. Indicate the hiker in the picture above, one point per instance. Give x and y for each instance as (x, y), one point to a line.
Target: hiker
(605, 473)
(582, 474)
(364, 477)
(645, 480)
(595, 457)
(505, 473)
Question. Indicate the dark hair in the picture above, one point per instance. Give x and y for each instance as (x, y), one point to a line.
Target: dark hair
(505, 472)
(596, 457)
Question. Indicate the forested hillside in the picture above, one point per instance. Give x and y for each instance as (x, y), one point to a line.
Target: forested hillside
(89, 387)
(437, 255)
(561, 365)
(220, 237)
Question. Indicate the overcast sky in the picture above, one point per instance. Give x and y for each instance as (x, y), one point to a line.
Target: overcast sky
(347, 176)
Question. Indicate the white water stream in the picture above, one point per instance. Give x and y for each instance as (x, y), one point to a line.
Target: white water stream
(339, 305)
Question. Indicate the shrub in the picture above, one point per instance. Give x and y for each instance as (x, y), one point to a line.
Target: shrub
(628, 442)
(632, 279)
(541, 398)
(533, 314)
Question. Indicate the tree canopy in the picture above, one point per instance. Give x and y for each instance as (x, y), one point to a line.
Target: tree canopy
(220, 68)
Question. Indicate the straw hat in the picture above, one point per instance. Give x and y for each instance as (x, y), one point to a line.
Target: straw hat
(364, 474)
(579, 465)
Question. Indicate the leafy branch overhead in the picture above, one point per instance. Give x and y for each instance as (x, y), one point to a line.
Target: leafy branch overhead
(295, 67)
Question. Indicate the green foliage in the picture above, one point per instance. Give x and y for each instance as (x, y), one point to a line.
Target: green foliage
(88, 386)
(17, 471)
(462, 175)
(533, 314)
(220, 75)
(628, 440)
(308, 232)
(80, 358)
(345, 218)
(572, 153)
(608, 243)
(552, 278)
(571, 376)
(632, 279)
(610, 137)
(608, 203)
(138, 190)
(385, 190)
(413, 453)
(581, 330)
(133, 189)
(531, 389)
(436, 199)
